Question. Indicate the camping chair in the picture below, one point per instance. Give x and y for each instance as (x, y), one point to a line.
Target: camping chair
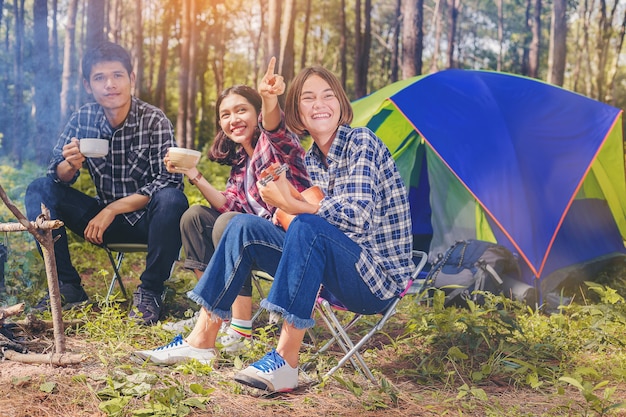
(327, 305)
(116, 262)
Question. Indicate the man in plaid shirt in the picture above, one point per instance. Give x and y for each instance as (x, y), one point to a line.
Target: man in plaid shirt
(138, 200)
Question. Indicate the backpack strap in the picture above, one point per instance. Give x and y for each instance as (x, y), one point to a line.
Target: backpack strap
(493, 273)
(442, 260)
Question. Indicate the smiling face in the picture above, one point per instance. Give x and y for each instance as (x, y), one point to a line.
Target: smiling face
(319, 110)
(238, 119)
(111, 86)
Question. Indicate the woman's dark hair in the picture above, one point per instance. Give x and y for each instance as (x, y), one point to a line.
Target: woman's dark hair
(224, 150)
(292, 101)
(105, 52)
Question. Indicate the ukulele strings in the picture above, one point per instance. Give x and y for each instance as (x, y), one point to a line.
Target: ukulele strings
(271, 176)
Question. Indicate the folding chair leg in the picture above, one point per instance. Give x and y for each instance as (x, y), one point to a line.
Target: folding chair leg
(117, 276)
(351, 351)
(340, 332)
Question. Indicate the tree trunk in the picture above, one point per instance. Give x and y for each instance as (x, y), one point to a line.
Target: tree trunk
(419, 48)
(394, 67)
(363, 38)
(95, 23)
(168, 22)
(115, 20)
(605, 32)
(55, 64)
(68, 93)
(581, 41)
(437, 27)
(4, 90)
(588, 52)
(367, 46)
(610, 96)
(305, 32)
(453, 13)
(500, 35)
(44, 85)
(17, 138)
(273, 31)
(216, 32)
(138, 63)
(527, 38)
(343, 45)
(190, 119)
(183, 79)
(534, 50)
(286, 68)
(358, 45)
(412, 37)
(558, 43)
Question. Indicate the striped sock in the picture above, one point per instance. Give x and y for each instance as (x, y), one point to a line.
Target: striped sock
(241, 327)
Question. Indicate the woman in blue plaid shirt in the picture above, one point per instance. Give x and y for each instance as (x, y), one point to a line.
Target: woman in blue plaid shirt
(356, 241)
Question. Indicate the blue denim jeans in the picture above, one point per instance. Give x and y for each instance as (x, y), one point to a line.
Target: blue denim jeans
(312, 253)
(158, 227)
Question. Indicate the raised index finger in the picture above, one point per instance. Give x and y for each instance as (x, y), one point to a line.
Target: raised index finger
(270, 67)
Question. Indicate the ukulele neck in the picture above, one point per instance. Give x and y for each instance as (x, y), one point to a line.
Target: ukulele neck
(272, 174)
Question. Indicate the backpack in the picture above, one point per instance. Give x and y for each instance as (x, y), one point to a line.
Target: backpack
(469, 266)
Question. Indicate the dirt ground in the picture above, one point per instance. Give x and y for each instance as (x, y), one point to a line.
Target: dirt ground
(25, 391)
(45, 390)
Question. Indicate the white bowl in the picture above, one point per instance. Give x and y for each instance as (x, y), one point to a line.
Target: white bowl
(94, 148)
(184, 158)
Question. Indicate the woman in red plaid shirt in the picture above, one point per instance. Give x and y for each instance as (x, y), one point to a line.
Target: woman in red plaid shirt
(251, 136)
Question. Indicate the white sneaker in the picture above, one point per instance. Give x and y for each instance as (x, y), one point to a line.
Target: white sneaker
(272, 373)
(182, 326)
(232, 342)
(177, 351)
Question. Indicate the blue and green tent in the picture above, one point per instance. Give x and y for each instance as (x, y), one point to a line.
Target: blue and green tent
(507, 159)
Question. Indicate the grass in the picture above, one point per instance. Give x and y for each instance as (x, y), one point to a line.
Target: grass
(496, 359)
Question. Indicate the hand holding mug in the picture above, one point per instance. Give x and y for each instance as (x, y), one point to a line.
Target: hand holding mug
(71, 153)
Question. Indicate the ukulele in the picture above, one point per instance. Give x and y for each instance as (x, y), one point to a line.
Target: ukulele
(312, 195)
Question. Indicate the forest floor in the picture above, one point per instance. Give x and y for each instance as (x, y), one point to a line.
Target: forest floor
(108, 383)
(45, 390)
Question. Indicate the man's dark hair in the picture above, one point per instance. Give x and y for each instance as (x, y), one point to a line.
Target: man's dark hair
(105, 52)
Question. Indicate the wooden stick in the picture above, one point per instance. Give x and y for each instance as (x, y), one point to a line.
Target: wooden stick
(46, 241)
(59, 359)
(39, 325)
(13, 310)
(18, 227)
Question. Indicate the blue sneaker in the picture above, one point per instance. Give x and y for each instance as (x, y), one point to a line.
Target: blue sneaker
(272, 373)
